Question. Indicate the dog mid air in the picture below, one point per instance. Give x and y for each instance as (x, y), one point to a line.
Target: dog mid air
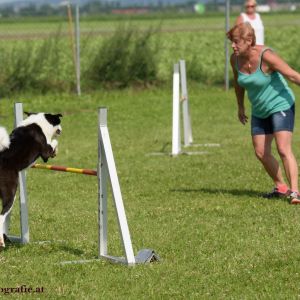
(33, 138)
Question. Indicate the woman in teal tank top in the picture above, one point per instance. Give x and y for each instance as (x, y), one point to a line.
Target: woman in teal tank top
(261, 73)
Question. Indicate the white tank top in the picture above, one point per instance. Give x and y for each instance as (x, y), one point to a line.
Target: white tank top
(257, 26)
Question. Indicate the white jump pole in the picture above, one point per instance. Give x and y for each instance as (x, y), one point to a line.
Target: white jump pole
(180, 90)
(110, 168)
(24, 238)
(102, 191)
(107, 172)
(176, 139)
(187, 127)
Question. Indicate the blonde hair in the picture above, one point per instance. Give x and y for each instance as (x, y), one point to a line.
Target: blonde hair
(250, 1)
(242, 31)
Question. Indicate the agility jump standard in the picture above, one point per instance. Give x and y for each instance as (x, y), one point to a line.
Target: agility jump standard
(181, 99)
(180, 94)
(106, 171)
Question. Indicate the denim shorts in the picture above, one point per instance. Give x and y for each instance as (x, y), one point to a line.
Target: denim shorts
(279, 121)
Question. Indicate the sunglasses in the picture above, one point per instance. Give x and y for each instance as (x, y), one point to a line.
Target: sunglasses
(250, 6)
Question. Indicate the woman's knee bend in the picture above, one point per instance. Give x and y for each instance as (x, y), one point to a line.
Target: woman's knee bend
(284, 153)
(261, 155)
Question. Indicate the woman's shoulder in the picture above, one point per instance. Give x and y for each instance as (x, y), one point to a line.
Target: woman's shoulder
(262, 48)
(239, 19)
(265, 49)
(268, 53)
(257, 16)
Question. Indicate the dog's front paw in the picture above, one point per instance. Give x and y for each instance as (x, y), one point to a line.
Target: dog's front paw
(54, 145)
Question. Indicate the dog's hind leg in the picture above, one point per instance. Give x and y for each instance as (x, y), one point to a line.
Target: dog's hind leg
(8, 198)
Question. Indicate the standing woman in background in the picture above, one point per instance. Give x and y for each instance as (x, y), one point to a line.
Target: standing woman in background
(252, 17)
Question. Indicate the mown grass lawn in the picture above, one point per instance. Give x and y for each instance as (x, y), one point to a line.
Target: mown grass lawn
(217, 238)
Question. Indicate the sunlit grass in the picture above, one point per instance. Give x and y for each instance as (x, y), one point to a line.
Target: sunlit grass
(204, 215)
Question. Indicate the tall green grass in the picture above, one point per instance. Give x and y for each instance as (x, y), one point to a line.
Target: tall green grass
(127, 57)
(121, 53)
(39, 66)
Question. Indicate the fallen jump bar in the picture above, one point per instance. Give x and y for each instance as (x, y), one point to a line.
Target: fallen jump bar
(65, 169)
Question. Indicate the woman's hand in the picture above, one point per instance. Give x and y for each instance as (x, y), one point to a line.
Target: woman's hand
(242, 117)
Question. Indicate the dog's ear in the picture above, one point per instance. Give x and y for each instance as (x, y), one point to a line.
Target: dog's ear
(29, 113)
(53, 119)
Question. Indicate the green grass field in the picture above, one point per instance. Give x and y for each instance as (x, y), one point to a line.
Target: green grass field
(204, 215)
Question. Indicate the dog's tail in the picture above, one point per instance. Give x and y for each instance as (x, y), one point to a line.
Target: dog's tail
(4, 139)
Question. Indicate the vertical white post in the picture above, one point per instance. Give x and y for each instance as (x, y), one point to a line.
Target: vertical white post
(187, 128)
(77, 29)
(102, 184)
(115, 186)
(176, 140)
(23, 208)
(22, 190)
(22, 186)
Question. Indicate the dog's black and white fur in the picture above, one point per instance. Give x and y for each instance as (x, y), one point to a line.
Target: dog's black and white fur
(32, 139)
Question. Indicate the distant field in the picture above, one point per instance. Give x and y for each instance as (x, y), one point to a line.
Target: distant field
(42, 27)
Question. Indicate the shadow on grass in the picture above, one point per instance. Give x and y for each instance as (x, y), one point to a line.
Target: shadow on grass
(234, 192)
(9, 245)
(164, 147)
(58, 245)
(71, 250)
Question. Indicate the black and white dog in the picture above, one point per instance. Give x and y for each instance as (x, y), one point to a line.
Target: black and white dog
(32, 139)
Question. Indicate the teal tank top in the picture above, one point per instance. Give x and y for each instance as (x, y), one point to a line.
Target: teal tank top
(268, 93)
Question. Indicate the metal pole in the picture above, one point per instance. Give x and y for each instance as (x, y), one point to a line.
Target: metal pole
(227, 12)
(187, 127)
(78, 51)
(115, 187)
(72, 37)
(176, 137)
(102, 188)
(22, 185)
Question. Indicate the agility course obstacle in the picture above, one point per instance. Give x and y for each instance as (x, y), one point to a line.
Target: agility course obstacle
(179, 79)
(65, 169)
(106, 172)
(180, 98)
